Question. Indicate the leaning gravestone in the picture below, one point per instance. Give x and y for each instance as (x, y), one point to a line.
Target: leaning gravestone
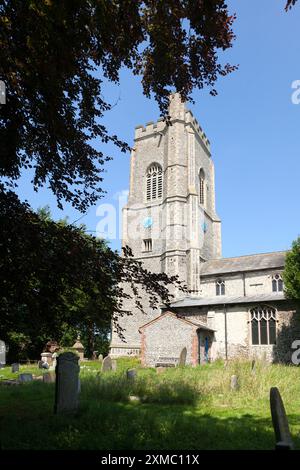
(25, 378)
(66, 385)
(131, 374)
(234, 384)
(15, 367)
(106, 364)
(182, 357)
(2, 353)
(279, 420)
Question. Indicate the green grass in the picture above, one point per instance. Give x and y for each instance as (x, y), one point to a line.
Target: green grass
(184, 408)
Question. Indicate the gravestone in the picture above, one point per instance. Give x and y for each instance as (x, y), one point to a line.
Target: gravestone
(114, 365)
(49, 378)
(94, 355)
(106, 364)
(182, 357)
(2, 353)
(15, 367)
(279, 419)
(131, 374)
(40, 364)
(160, 370)
(234, 384)
(253, 366)
(100, 357)
(25, 378)
(66, 385)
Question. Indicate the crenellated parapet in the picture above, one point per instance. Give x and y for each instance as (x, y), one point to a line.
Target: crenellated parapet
(192, 121)
(178, 113)
(149, 129)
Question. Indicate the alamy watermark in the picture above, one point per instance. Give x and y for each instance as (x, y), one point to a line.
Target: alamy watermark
(155, 221)
(2, 92)
(296, 353)
(296, 94)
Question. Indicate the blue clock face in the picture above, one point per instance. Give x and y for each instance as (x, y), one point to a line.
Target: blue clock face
(148, 222)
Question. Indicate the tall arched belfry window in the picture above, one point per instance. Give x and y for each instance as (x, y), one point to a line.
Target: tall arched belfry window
(154, 182)
(202, 187)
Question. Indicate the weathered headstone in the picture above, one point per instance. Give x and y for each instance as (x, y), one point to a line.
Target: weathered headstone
(106, 364)
(100, 357)
(234, 384)
(114, 365)
(279, 419)
(94, 355)
(2, 353)
(25, 378)
(131, 374)
(182, 357)
(66, 386)
(49, 378)
(40, 364)
(160, 370)
(15, 367)
(253, 366)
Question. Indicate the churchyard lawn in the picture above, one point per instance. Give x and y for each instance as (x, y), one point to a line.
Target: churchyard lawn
(182, 408)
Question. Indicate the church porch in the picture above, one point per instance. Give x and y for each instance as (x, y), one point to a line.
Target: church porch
(168, 334)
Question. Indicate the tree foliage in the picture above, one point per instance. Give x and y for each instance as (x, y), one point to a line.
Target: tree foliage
(291, 274)
(290, 4)
(54, 55)
(54, 276)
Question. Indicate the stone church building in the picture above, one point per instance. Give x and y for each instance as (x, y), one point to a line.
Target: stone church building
(235, 306)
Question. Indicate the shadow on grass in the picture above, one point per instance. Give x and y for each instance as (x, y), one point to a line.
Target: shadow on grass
(175, 413)
(27, 422)
(150, 388)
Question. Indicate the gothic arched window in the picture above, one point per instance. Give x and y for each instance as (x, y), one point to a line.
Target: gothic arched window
(201, 187)
(154, 182)
(277, 283)
(263, 325)
(220, 287)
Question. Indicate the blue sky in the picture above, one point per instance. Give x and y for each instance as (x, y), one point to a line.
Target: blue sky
(253, 127)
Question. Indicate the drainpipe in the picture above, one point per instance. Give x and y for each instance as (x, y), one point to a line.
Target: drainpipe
(244, 284)
(225, 321)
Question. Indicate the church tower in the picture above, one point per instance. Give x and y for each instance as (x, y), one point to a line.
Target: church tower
(170, 221)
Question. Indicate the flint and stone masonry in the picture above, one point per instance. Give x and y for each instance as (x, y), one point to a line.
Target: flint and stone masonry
(235, 306)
